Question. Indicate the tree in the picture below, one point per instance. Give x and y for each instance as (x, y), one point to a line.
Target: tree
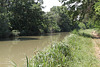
(51, 24)
(58, 19)
(4, 27)
(97, 11)
(26, 16)
(97, 7)
(82, 7)
(81, 10)
(63, 20)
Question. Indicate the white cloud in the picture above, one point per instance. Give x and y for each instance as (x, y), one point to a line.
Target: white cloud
(49, 4)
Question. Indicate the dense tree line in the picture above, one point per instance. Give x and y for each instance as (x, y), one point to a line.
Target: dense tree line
(85, 12)
(58, 19)
(4, 27)
(27, 17)
(97, 10)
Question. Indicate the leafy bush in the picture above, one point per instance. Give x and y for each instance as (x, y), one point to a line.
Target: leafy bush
(15, 32)
(57, 56)
(75, 31)
(4, 29)
(27, 17)
(82, 26)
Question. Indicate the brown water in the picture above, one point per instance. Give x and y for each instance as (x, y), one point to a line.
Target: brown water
(17, 49)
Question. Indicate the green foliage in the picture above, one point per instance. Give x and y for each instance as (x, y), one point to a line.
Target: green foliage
(87, 31)
(14, 64)
(82, 11)
(4, 28)
(79, 53)
(58, 20)
(84, 33)
(97, 10)
(51, 23)
(82, 26)
(97, 23)
(86, 7)
(82, 51)
(27, 17)
(90, 23)
(63, 19)
(75, 31)
(57, 55)
(97, 7)
(97, 31)
(27, 61)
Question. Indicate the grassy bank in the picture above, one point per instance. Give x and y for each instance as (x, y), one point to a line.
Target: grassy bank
(82, 52)
(74, 51)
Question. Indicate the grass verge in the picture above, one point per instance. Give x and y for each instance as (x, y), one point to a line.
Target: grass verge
(74, 51)
(82, 52)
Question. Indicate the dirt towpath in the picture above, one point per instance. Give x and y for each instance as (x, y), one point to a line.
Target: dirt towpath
(96, 41)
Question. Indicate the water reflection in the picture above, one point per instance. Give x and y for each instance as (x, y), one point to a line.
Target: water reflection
(18, 48)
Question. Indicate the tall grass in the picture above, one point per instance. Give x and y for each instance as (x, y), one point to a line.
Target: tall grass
(56, 56)
(74, 51)
(82, 52)
(98, 31)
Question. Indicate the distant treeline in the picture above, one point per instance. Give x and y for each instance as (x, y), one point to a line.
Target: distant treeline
(25, 17)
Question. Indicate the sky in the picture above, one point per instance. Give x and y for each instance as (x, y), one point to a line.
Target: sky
(49, 4)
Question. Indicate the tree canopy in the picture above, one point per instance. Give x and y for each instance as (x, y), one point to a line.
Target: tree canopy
(27, 17)
(82, 10)
(58, 19)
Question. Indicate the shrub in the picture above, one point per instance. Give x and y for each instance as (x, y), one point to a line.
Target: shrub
(56, 56)
(82, 26)
(4, 29)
